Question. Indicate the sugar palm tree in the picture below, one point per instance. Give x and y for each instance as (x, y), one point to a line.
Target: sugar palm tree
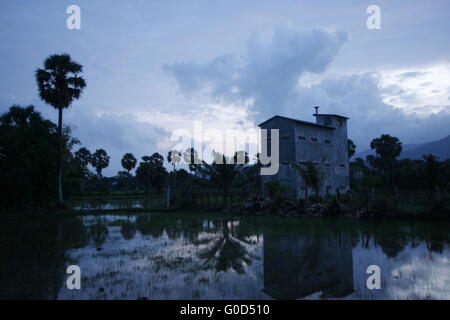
(387, 149)
(128, 163)
(190, 156)
(174, 157)
(100, 161)
(59, 83)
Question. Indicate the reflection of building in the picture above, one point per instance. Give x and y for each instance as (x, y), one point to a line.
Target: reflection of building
(295, 267)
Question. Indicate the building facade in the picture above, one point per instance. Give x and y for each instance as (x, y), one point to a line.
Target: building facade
(324, 143)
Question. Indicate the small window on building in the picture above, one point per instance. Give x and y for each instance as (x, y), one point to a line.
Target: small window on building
(285, 162)
(327, 121)
(301, 138)
(285, 137)
(314, 139)
(327, 165)
(327, 141)
(342, 165)
(340, 123)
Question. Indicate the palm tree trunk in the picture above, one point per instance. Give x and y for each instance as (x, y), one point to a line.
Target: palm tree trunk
(60, 145)
(126, 183)
(226, 197)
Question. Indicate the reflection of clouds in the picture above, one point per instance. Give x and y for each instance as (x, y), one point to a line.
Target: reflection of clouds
(157, 268)
(415, 273)
(163, 267)
(84, 205)
(423, 276)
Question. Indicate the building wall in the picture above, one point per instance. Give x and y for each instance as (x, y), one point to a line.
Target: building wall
(286, 133)
(300, 142)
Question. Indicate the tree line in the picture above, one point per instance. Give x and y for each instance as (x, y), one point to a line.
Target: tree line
(38, 164)
(385, 170)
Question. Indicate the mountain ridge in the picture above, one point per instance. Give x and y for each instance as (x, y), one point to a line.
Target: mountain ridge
(439, 148)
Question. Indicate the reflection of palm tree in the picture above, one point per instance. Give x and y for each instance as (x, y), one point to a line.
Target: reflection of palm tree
(150, 225)
(192, 229)
(245, 231)
(188, 229)
(128, 230)
(435, 244)
(391, 247)
(228, 252)
(99, 232)
(2, 156)
(392, 239)
(173, 231)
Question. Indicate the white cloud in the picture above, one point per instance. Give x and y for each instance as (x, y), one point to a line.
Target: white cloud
(417, 90)
(221, 116)
(284, 73)
(270, 70)
(362, 98)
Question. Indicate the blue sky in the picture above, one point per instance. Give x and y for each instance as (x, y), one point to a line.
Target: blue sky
(154, 66)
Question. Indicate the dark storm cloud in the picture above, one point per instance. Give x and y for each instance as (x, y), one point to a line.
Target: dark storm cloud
(269, 74)
(122, 46)
(270, 70)
(361, 98)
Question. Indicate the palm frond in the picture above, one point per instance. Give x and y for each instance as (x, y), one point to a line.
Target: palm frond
(59, 82)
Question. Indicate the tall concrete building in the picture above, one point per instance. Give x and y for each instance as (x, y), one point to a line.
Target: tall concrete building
(324, 143)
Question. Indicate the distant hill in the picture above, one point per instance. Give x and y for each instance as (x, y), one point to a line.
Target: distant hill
(439, 148)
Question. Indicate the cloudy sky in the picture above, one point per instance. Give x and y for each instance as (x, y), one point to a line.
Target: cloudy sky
(156, 66)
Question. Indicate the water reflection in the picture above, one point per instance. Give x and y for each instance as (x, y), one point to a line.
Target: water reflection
(226, 251)
(295, 267)
(32, 254)
(128, 230)
(176, 256)
(99, 232)
(114, 204)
